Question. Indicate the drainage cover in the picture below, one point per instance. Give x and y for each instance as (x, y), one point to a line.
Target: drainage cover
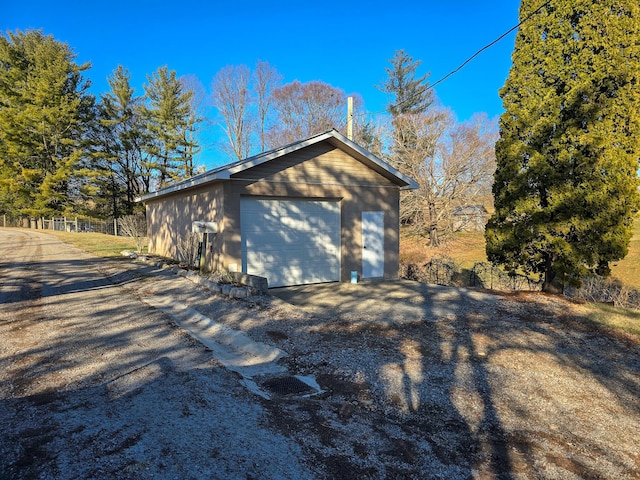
(287, 386)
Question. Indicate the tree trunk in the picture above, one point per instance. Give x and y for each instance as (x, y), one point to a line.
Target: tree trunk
(434, 241)
(552, 283)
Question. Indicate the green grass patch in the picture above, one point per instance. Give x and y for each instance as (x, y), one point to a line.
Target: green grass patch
(615, 318)
(98, 244)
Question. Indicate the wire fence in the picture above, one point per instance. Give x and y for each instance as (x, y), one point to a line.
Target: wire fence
(444, 271)
(68, 224)
(487, 275)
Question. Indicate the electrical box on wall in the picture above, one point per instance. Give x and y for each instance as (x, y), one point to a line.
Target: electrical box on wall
(204, 227)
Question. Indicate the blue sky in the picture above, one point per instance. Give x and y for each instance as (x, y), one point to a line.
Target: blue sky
(346, 44)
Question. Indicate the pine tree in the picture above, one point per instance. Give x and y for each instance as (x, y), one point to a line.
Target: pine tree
(409, 105)
(410, 94)
(566, 183)
(44, 111)
(169, 118)
(117, 143)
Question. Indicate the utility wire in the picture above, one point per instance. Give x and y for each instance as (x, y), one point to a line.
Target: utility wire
(463, 64)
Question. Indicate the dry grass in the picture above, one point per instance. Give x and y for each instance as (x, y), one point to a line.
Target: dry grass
(615, 319)
(627, 270)
(98, 244)
(468, 248)
(464, 248)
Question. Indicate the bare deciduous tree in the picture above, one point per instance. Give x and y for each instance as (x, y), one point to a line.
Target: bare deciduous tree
(304, 109)
(419, 160)
(191, 83)
(231, 96)
(468, 155)
(452, 164)
(265, 80)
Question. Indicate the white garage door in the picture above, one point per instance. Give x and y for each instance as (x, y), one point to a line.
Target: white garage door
(291, 242)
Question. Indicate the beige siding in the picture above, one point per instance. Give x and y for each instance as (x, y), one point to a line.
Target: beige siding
(321, 164)
(353, 201)
(320, 171)
(169, 219)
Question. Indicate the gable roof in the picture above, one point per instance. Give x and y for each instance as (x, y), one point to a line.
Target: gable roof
(470, 210)
(332, 136)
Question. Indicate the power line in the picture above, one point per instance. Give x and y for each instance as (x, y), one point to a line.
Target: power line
(463, 64)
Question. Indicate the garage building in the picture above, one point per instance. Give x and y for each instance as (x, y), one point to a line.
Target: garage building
(309, 212)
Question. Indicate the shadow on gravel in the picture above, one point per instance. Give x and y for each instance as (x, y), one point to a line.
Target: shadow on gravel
(421, 382)
(75, 278)
(96, 384)
(155, 421)
(479, 384)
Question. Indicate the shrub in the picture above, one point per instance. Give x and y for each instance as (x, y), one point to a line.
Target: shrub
(134, 226)
(606, 290)
(188, 249)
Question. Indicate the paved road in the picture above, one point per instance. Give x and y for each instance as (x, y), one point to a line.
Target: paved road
(94, 383)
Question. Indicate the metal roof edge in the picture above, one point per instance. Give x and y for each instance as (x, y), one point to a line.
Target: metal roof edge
(218, 174)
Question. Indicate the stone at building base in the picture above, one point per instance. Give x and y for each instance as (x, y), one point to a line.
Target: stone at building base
(254, 281)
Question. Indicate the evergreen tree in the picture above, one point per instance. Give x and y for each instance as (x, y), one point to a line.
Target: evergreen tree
(566, 183)
(44, 112)
(409, 105)
(117, 142)
(410, 94)
(169, 118)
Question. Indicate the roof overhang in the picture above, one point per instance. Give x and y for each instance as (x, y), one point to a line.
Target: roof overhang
(193, 182)
(332, 136)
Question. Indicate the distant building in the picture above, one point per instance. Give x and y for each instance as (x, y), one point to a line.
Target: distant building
(470, 218)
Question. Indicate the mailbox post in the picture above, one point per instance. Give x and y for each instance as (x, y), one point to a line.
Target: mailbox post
(203, 253)
(204, 228)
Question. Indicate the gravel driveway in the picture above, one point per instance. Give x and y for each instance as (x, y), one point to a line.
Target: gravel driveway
(418, 381)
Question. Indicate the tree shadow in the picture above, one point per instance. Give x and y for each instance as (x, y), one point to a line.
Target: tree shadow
(95, 385)
(421, 381)
(488, 382)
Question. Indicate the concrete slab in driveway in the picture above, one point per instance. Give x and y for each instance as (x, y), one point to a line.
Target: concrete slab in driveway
(398, 300)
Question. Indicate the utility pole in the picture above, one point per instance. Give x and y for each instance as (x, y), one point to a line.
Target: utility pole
(350, 118)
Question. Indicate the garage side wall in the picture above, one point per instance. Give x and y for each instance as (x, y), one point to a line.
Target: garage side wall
(322, 172)
(169, 219)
